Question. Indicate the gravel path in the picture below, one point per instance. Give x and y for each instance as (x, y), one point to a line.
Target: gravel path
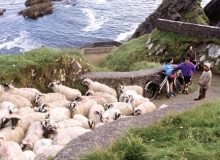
(108, 133)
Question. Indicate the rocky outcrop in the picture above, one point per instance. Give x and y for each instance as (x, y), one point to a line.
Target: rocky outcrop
(176, 10)
(212, 11)
(2, 11)
(37, 8)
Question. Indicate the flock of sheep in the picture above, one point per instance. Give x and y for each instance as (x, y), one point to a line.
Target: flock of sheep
(37, 125)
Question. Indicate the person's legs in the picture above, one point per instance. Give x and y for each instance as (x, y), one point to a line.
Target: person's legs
(202, 92)
(186, 85)
(171, 93)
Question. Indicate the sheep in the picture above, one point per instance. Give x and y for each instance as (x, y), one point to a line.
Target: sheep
(136, 88)
(98, 99)
(23, 111)
(82, 107)
(10, 151)
(124, 96)
(65, 135)
(48, 98)
(68, 123)
(16, 135)
(8, 105)
(144, 108)
(99, 87)
(29, 155)
(70, 93)
(136, 101)
(110, 115)
(59, 114)
(28, 93)
(17, 100)
(108, 97)
(125, 108)
(48, 152)
(99, 124)
(95, 113)
(86, 123)
(34, 133)
(41, 144)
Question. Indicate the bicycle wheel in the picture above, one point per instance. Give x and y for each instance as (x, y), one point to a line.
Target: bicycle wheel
(151, 90)
(177, 85)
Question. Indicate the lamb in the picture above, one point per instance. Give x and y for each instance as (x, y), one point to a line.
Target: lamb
(28, 93)
(99, 87)
(125, 108)
(70, 93)
(17, 100)
(11, 150)
(65, 135)
(111, 115)
(34, 133)
(108, 97)
(136, 101)
(95, 113)
(124, 96)
(136, 88)
(144, 108)
(82, 107)
(48, 98)
(86, 123)
(16, 135)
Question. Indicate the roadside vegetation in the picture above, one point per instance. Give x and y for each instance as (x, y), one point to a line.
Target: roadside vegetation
(194, 134)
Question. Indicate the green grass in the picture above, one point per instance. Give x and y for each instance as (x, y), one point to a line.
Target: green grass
(192, 135)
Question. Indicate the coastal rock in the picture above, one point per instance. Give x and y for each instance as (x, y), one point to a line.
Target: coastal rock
(2, 11)
(37, 8)
(212, 11)
(170, 9)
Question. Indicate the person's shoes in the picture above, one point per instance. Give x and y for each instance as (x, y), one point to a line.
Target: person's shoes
(185, 92)
(171, 95)
(197, 99)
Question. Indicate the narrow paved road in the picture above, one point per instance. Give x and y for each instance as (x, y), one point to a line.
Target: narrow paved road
(105, 135)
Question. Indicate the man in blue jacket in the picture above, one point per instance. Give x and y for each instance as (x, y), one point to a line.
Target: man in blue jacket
(188, 69)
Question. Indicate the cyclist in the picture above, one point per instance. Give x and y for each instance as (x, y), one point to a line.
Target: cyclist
(169, 73)
(188, 69)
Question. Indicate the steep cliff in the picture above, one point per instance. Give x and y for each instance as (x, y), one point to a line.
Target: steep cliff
(212, 11)
(177, 10)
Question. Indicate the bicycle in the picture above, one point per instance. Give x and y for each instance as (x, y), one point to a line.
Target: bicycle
(154, 88)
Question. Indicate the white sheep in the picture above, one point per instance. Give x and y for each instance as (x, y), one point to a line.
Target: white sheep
(136, 101)
(138, 89)
(8, 105)
(124, 96)
(41, 144)
(95, 113)
(86, 123)
(111, 115)
(70, 93)
(65, 135)
(82, 107)
(48, 98)
(34, 133)
(98, 99)
(125, 108)
(67, 123)
(11, 151)
(28, 93)
(59, 114)
(17, 100)
(99, 87)
(23, 111)
(48, 152)
(29, 155)
(16, 135)
(108, 97)
(144, 108)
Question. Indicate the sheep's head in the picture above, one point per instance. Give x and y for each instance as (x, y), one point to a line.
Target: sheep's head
(136, 112)
(107, 106)
(77, 98)
(86, 81)
(99, 113)
(42, 108)
(14, 121)
(91, 123)
(117, 115)
(121, 89)
(4, 121)
(26, 145)
(72, 106)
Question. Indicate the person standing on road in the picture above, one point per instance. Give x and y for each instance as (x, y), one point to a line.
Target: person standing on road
(192, 55)
(169, 72)
(188, 69)
(204, 81)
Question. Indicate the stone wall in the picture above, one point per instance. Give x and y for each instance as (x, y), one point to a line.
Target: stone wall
(97, 50)
(115, 79)
(188, 29)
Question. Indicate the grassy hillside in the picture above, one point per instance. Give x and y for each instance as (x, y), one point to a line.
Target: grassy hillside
(192, 135)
